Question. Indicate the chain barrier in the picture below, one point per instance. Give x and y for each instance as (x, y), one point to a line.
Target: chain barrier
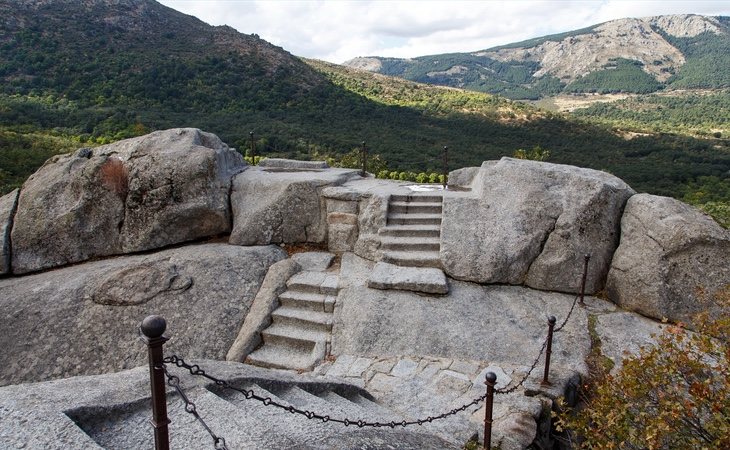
(220, 443)
(194, 369)
(504, 391)
(190, 408)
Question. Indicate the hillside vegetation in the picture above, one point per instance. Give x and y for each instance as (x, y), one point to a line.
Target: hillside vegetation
(76, 74)
(693, 113)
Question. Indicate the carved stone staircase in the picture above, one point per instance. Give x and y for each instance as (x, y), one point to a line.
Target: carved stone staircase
(410, 242)
(247, 423)
(300, 332)
(412, 235)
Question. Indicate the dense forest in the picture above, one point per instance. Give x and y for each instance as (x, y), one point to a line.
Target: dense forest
(704, 114)
(82, 74)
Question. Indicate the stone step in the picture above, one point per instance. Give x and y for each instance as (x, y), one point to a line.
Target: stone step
(415, 198)
(381, 412)
(410, 243)
(412, 259)
(414, 207)
(304, 318)
(414, 219)
(307, 300)
(319, 402)
(282, 356)
(223, 417)
(411, 230)
(292, 335)
(314, 281)
(428, 280)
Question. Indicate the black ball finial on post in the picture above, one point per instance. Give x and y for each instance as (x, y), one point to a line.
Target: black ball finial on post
(153, 326)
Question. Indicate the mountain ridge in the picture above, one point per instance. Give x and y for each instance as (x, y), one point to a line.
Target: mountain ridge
(625, 55)
(76, 71)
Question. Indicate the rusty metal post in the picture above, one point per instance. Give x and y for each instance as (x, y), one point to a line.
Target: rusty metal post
(364, 160)
(586, 258)
(490, 380)
(253, 149)
(152, 328)
(548, 349)
(445, 162)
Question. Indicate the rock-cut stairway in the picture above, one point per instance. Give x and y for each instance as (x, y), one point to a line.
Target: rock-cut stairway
(300, 332)
(248, 424)
(410, 243)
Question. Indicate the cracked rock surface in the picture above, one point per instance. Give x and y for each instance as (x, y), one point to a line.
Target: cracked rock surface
(83, 319)
(673, 261)
(276, 205)
(531, 223)
(137, 194)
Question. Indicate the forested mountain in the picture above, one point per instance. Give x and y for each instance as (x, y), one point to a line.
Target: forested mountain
(625, 55)
(76, 73)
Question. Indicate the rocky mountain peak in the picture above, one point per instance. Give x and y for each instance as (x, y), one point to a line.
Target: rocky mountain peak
(686, 25)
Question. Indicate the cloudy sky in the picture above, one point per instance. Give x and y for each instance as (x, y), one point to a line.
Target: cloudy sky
(340, 30)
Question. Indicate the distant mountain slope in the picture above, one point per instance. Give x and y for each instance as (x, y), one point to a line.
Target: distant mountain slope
(84, 72)
(626, 55)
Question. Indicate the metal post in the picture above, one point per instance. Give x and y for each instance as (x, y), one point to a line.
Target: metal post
(364, 158)
(445, 164)
(549, 349)
(253, 149)
(587, 257)
(152, 328)
(490, 381)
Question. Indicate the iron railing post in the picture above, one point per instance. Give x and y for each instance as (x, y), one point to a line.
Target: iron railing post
(586, 258)
(364, 160)
(548, 349)
(490, 380)
(253, 149)
(152, 328)
(445, 164)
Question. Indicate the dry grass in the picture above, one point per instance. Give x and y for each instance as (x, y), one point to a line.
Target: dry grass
(114, 176)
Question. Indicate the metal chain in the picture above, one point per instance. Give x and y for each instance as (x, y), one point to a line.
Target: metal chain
(190, 408)
(575, 300)
(529, 372)
(194, 369)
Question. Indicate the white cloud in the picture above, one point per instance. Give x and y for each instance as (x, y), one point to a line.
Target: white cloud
(340, 30)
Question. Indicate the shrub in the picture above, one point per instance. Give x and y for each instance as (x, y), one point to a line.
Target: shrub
(114, 176)
(673, 395)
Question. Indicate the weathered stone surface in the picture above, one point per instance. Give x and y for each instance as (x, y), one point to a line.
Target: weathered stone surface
(341, 237)
(531, 223)
(373, 216)
(314, 260)
(138, 194)
(673, 261)
(259, 315)
(623, 333)
(282, 206)
(462, 178)
(279, 163)
(341, 206)
(84, 319)
(491, 323)
(428, 280)
(8, 203)
(113, 411)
